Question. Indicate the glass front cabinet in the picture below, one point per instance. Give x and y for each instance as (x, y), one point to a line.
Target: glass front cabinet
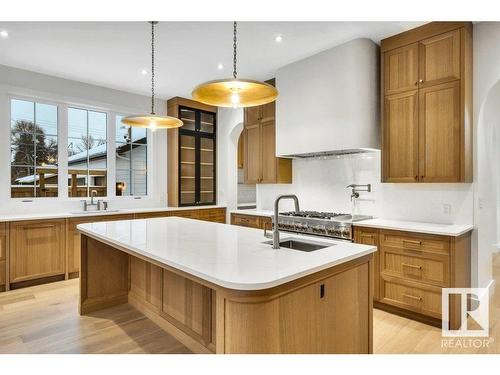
(192, 154)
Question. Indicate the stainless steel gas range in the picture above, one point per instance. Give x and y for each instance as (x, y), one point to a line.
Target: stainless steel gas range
(325, 224)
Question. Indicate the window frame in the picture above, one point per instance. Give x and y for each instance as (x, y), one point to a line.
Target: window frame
(62, 141)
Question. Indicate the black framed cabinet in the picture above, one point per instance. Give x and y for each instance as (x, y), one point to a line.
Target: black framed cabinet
(192, 154)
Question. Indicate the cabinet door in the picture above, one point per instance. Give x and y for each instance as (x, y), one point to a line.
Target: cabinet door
(440, 133)
(207, 171)
(331, 316)
(252, 154)
(268, 112)
(440, 59)
(368, 236)
(187, 171)
(400, 138)
(37, 249)
(401, 69)
(267, 132)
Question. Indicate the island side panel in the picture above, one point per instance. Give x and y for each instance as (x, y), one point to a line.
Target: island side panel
(104, 280)
(330, 315)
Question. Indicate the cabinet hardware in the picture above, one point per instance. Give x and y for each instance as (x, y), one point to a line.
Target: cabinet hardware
(366, 235)
(421, 81)
(321, 290)
(411, 266)
(416, 83)
(416, 298)
(416, 177)
(413, 242)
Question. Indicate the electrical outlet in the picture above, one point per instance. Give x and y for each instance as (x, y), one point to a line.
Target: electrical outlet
(447, 209)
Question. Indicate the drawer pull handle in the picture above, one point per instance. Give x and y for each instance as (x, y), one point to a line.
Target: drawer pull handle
(366, 235)
(411, 266)
(416, 298)
(413, 242)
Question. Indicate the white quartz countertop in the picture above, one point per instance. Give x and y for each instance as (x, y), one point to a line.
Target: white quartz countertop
(79, 213)
(230, 256)
(253, 212)
(453, 230)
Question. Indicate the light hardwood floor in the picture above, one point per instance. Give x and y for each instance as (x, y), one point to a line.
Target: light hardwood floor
(44, 319)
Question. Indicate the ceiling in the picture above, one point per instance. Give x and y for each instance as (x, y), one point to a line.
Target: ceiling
(112, 54)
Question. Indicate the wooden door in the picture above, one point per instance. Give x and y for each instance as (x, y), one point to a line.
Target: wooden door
(268, 150)
(241, 150)
(369, 236)
(439, 59)
(253, 154)
(440, 135)
(401, 69)
(37, 249)
(400, 138)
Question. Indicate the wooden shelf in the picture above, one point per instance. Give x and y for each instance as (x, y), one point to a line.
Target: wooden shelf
(188, 148)
(188, 177)
(206, 178)
(206, 163)
(188, 162)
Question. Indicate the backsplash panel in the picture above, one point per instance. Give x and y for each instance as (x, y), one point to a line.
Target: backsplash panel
(321, 184)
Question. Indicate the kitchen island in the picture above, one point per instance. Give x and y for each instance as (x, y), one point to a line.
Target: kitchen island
(223, 289)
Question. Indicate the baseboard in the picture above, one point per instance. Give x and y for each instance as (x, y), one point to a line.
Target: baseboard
(408, 314)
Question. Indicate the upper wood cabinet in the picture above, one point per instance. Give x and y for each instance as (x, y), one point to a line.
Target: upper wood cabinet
(37, 249)
(427, 104)
(3, 256)
(261, 166)
(401, 69)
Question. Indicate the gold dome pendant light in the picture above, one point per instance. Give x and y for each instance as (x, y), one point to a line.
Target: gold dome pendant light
(152, 121)
(235, 92)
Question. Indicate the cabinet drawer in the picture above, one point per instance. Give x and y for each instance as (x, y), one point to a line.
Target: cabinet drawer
(415, 243)
(245, 221)
(2, 272)
(432, 271)
(411, 296)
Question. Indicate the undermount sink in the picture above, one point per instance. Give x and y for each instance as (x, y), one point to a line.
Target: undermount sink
(301, 245)
(93, 212)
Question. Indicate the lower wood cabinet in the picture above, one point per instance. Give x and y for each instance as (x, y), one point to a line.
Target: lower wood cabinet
(414, 267)
(3, 257)
(37, 249)
(251, 221)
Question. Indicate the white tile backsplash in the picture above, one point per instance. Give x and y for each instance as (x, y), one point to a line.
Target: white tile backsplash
(321, 184)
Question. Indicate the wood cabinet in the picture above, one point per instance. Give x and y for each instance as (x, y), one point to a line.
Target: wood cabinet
(369, 236)
(260, 163)
(73, 239)
(192, 154)
(241, 151)
(427, 104)
(37, 249)
(251, 221)
(414, 267)
(3, 256)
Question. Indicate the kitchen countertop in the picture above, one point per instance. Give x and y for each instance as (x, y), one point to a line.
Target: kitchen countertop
(230, 256)
(453, 230)
(77, 213)
(253, 212)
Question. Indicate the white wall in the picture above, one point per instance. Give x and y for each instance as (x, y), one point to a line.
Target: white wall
(28, 84)
(329, 101)
(321, 185)
(486, 155)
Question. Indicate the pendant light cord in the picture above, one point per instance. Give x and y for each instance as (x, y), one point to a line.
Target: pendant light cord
(153, 66)
(234, 50)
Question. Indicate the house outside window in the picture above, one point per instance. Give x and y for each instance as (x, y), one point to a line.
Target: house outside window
(130, 160)
(34, 147)
(87, 152)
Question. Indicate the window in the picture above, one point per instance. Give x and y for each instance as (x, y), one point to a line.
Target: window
(131, 160)
(33, 153)
(87, 152)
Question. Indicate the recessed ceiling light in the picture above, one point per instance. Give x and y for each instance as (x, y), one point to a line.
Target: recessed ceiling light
(4, 34)
(278, 38)
(220, 66)
(144, 72)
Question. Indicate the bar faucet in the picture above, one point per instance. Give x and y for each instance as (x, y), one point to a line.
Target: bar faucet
(100, 203)
(276, 233)
(357, 188)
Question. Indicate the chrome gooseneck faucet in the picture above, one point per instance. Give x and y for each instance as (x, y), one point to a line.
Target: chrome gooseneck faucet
(276, 233)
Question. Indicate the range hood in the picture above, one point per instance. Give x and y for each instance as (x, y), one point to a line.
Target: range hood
(326, 154)
(329, 103)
